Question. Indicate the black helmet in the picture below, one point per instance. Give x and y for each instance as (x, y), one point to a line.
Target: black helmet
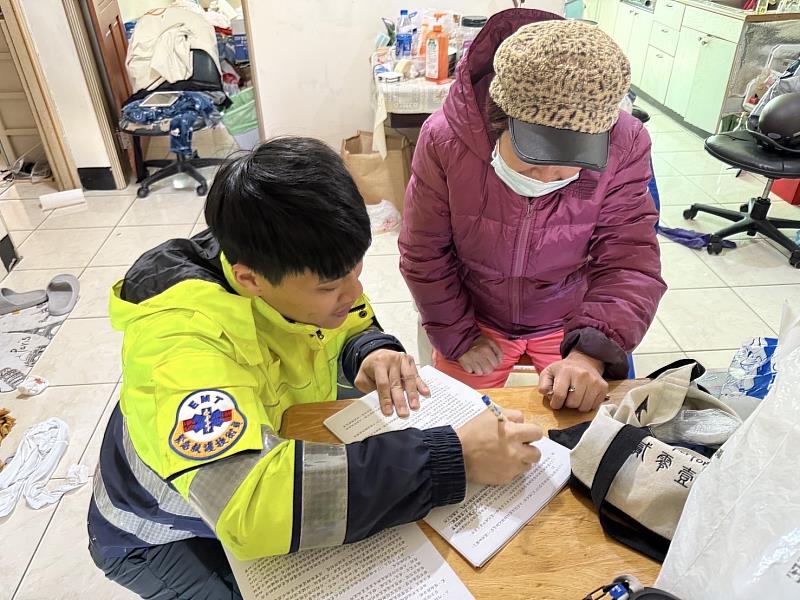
(779, 123)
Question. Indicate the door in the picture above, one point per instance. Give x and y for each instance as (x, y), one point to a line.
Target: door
(623, 26)
(607, 15)
(683, 69)
(639, 41)
(710, 82)
(109, 31)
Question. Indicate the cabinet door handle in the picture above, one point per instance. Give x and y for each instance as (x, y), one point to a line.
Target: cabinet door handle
(668, 5)
(665, 31)
(659, 56)
(703, 42)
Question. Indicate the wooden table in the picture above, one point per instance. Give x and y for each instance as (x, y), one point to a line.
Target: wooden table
(562, 554)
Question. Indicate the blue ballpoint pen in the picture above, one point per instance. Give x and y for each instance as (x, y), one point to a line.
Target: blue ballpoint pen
(494, 408)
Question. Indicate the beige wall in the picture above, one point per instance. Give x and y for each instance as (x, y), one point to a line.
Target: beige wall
(313, 59)
(58, 56)
(133, 9)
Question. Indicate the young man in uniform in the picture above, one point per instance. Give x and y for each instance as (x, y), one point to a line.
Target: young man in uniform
(223, 333)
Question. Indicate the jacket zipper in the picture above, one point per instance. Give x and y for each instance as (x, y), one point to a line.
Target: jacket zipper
(518, 265)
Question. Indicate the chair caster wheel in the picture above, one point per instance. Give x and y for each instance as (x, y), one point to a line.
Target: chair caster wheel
(689, 214)
(714, 246)
(143, 192)
(794, 260)
(202, 189)
(744, 208)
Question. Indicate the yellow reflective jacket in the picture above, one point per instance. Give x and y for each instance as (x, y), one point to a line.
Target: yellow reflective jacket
(207, 375)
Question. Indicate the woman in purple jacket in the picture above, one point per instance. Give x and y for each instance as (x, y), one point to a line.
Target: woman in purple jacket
(528, 226)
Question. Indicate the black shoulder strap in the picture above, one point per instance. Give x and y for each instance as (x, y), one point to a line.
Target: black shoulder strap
(697, 371)
(615, 523)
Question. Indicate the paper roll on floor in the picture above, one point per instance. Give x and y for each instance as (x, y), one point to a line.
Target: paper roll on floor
(62, 199)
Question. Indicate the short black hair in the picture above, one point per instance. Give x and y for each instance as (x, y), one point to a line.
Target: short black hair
(287, 207)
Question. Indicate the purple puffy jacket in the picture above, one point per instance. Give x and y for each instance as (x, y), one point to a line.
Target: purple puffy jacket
(584, 258)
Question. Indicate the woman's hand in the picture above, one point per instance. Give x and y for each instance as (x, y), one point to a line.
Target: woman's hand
(575, 382)
(394, 375)
(482, 357)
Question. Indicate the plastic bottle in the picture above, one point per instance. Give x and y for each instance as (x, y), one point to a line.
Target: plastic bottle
(436, 55)
(404, 36)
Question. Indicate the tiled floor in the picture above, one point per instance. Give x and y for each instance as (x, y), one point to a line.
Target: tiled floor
(714, 302)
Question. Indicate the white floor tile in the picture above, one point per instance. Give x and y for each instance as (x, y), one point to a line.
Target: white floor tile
(657, 340)
(644, 364)
(698, 162)
(701, 320)
(753, 262)
(22, 189)
(21, 532)
(651, 109)
(385, 243)
(164, 209)
(679, 191)
(676, 141)
(661, 122)
(126, 244)
(672, 216)
(198, 228)
(99, 211)
(19, 236)
(96, 285)
(382, 280)
(83, 351)
(22, 214)
(25, 281)
(92, 453)
(661, 167)
(79, 406)
(682, 268)
(400, 319)
(726, 188)
(62, 248)
(768, 300)
(62, 567)
(713, 359)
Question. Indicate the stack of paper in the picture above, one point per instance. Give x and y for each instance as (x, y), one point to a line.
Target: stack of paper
(490, 516)
(398, 563)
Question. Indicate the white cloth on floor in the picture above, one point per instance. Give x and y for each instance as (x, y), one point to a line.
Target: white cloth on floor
(29, 470)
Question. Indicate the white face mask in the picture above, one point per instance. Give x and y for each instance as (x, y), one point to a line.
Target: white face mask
(523, 185)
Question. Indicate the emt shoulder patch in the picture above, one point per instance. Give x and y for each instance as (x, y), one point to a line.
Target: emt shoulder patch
(208, 423)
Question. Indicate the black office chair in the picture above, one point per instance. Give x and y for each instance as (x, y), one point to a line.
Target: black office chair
(740, 150)
(205, 78)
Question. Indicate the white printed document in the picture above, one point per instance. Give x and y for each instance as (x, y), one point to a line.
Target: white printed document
(398, 563)
(490, 516)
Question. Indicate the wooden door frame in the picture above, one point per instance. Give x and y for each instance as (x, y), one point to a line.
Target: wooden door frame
(107, 114)
(23, 52)
(262, 131)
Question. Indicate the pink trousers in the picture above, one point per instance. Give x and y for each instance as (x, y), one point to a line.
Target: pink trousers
(542, 351)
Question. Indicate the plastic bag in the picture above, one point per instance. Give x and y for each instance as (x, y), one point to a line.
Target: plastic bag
(739, 535)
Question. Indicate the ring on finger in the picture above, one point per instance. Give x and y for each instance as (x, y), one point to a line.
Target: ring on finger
(570, 389)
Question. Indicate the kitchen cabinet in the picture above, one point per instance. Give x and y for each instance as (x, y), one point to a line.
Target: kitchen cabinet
(607, 15)
(590, 8)
(683, 68)
(632, 33)
(657, 69)
(710, 82)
